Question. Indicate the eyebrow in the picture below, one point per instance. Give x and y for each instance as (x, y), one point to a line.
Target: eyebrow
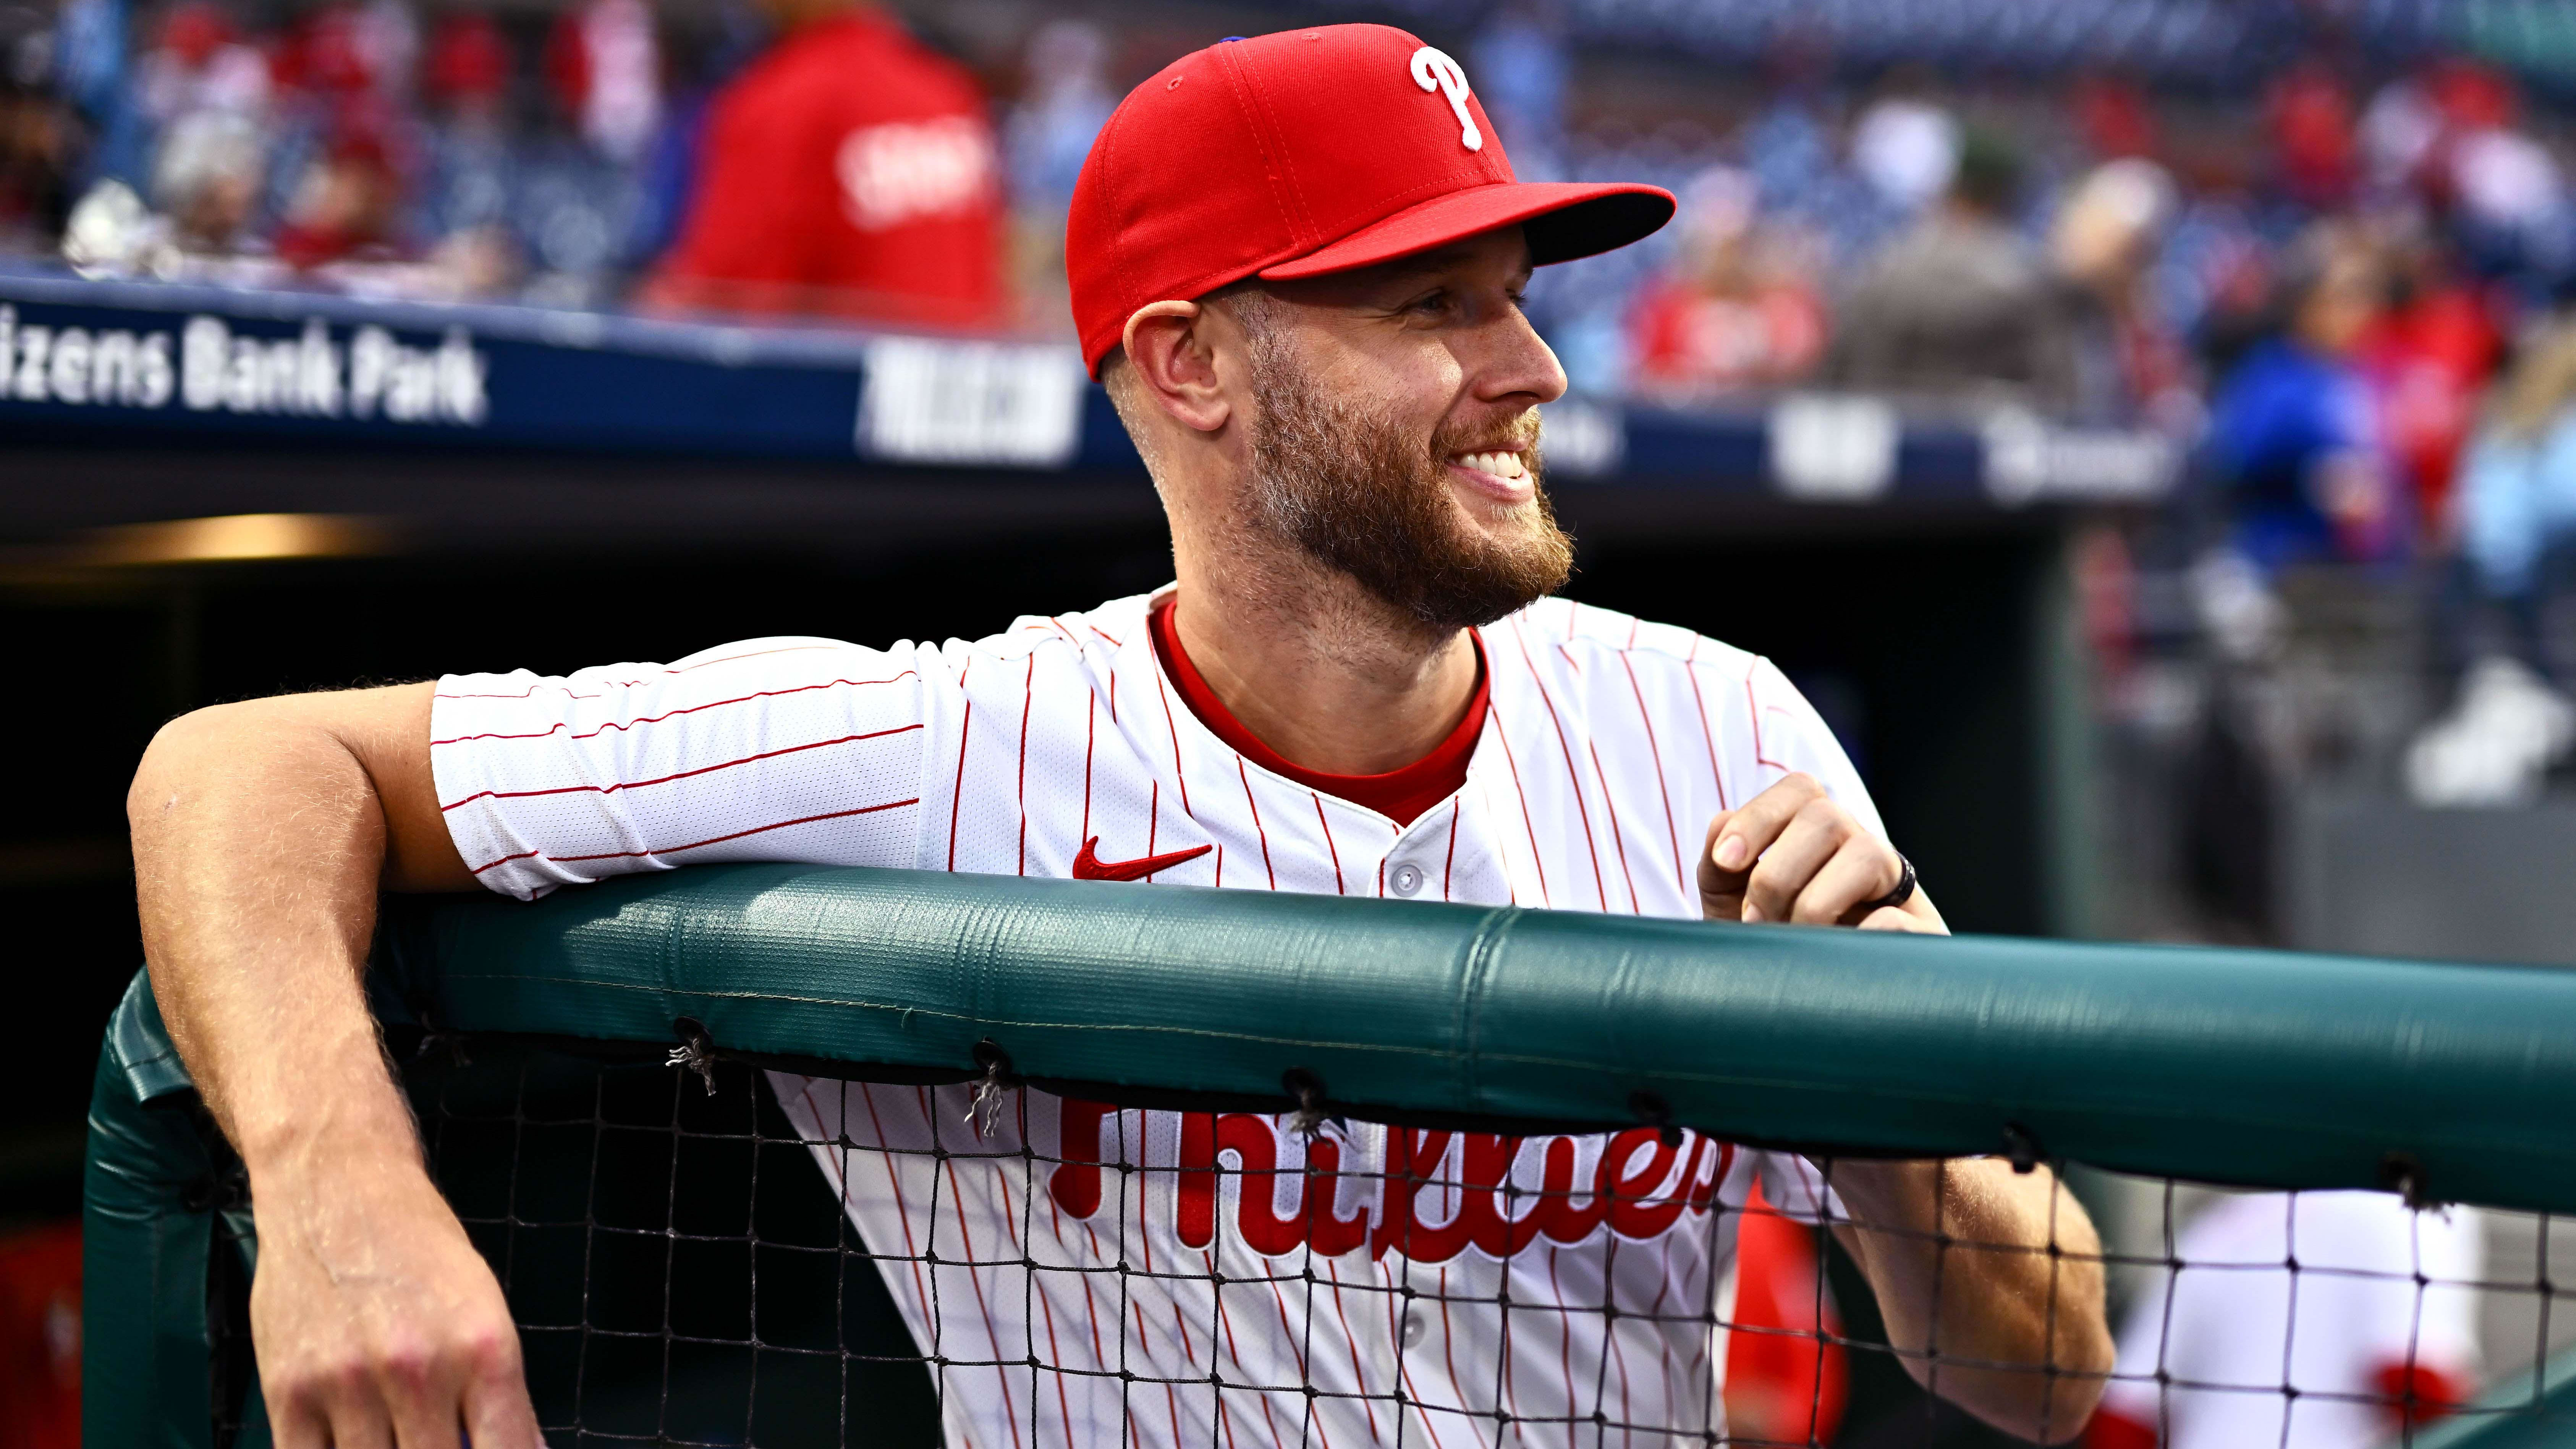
(1425, 263)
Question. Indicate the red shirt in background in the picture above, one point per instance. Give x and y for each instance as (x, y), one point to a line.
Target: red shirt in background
(1689, 345)
(850, 170)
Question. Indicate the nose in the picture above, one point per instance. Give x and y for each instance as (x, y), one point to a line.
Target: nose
(1517, 366)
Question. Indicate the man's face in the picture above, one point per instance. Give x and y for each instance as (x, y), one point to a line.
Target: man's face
(1394, 430)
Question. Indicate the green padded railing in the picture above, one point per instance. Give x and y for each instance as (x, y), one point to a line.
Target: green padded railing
(2250, 1067)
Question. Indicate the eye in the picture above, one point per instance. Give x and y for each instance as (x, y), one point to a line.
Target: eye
(1431, 303)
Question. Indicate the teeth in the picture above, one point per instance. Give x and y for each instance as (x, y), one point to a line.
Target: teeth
(1500, 464)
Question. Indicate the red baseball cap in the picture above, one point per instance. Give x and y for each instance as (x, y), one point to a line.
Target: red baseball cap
(1302, 153)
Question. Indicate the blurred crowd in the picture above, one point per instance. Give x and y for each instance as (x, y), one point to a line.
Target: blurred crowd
(2337, 288)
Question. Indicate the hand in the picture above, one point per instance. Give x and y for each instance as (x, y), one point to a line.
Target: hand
(377, 1324)
(1791, 854)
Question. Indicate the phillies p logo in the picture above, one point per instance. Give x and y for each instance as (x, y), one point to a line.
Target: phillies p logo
(1433, 70)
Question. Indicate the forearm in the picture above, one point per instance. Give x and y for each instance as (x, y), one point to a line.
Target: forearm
(258, 845)
(1974, 1263)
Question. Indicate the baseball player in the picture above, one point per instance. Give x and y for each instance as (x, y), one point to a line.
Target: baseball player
(1297, 262)
(2304, 1320)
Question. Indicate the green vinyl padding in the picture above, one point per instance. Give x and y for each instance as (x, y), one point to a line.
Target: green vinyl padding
(2238, 1066)
(2261, 1068)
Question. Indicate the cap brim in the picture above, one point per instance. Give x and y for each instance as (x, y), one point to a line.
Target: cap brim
(1562, 219)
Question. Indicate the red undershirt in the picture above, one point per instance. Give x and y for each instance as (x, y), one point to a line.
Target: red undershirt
(1399, 795)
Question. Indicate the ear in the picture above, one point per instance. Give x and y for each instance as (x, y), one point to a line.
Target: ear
(1167, 349)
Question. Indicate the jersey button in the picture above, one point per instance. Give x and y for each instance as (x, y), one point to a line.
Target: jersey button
(1413, 1329)
(1406, 878)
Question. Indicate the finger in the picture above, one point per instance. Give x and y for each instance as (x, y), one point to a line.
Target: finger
(295, 1421)
(1785, 870)
(1895, 918)
(1861, 870)
(1738, 837)
(426, 1414)
(358, 1420)
(498, 1414)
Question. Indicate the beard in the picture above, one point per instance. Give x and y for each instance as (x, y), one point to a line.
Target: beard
(1364, 496)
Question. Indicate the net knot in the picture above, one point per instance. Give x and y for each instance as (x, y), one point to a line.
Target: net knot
(695, 1052)
(984, 1109)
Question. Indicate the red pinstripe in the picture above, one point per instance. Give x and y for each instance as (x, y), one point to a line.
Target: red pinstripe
(903, 1209)
(1090, 722)
(1538, 862)
(1404, 1372)
(676, 713)
(965, 732)
(1753, 708)
(1028, 697)
(1225, 1321)
(1328, 842)
(1655, 751)
(682, 775)
(1090, 1301)
(1618, 842)
(957, 1203)
(1565, 1344)
(698, 844)
(1449, 862)
(1449, 1356)
(1350, 1340)
(1180, 776)
(1297, 1349)
(1250, 804)
(1582, 811)
(1716, 776)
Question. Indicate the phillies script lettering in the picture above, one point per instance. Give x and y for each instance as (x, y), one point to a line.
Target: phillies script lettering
(1436, 1195)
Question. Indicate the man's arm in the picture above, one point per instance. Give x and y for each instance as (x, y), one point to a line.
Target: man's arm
(262, 833)
(1968, 1259)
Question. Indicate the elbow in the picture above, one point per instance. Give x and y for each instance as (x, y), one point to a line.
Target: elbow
(188, 750)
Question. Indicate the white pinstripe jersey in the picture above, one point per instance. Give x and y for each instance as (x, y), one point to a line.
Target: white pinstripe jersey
(1073, 1280)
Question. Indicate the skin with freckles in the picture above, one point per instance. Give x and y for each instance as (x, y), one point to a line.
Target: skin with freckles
(1352, 472)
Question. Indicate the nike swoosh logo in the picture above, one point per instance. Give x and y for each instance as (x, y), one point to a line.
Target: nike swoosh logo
(1088, 865)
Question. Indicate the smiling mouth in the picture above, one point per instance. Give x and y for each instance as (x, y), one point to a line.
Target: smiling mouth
(1504, 463)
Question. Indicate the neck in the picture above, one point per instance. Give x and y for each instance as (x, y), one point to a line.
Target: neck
(1316, 667)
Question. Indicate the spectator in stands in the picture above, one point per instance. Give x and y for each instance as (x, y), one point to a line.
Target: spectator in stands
(1958, 306)
(815, 193)
(2294, 433)
(1066, 101)
(2128, 365)
(1733, 313)
(2510, 720)
(604, 62)
(2428, 357)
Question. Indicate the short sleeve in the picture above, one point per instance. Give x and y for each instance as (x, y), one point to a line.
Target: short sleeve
(785, 749)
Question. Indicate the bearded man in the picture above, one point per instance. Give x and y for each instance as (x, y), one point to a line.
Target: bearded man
(1297, 261)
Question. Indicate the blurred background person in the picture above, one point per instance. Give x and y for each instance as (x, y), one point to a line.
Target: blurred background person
(2510, 719)
(817, 194)
(1066, 99)
(2295, 436)
(1959, 305)
(2128, 365)
(2377, 1323)
(1735, 312)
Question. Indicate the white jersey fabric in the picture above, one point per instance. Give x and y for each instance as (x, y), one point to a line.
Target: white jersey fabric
(1082, 1277)
(2378, 1288)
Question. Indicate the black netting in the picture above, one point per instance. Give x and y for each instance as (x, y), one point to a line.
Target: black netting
(683, 1272)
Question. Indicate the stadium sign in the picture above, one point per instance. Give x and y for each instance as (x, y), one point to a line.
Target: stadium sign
(211, 367)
